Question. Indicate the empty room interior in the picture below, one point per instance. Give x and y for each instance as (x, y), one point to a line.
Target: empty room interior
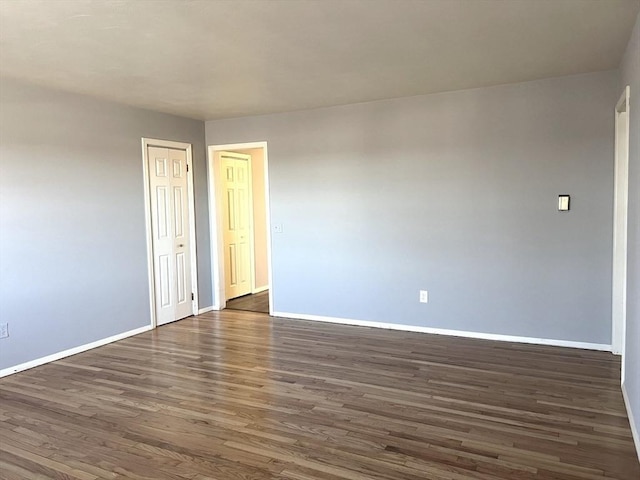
(320, 239)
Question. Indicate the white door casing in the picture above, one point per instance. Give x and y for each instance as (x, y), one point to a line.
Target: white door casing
(170, 230)
(215, 219)
(620, 212)
(237, 222)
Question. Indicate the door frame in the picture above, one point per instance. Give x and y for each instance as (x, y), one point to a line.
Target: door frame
(620, 232)
(215, 220)
(153, 142)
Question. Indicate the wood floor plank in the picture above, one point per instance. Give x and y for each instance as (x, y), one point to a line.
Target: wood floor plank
(239, 395)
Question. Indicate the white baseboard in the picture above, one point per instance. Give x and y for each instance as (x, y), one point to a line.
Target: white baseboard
(72, 351)
(260, 289)
(443, 331)
(634, 432)
(205, 310)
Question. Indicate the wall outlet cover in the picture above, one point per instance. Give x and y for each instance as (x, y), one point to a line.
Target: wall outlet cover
(424, 296)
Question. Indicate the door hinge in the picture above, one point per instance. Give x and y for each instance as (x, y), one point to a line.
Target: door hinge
(187, 167)
(192, 296)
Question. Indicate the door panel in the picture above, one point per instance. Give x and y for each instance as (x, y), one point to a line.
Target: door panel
(180, 277)
(162, 199)
(170, 230)
(182, 258)
(233, 266)
(236, 211)
(178, 209)
(164, 281)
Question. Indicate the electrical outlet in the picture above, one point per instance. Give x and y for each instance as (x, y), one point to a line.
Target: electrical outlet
(424, 296)
(4, 330)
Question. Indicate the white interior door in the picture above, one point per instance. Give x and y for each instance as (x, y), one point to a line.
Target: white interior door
(170, 230)
(236, 213)
(620, 213)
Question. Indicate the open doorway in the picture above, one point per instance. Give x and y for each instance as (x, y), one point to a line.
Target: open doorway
(239, 219)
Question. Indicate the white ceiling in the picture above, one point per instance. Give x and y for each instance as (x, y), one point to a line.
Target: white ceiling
(210, 59)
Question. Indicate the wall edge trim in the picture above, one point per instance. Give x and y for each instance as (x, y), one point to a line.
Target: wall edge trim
(448, 332)
(72, 351)
(634, 432)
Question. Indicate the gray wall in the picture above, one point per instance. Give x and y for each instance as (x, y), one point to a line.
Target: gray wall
(630, 75)
(72, 230)
(455, 193)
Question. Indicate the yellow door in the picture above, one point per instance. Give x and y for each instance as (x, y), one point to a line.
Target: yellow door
(236, 212)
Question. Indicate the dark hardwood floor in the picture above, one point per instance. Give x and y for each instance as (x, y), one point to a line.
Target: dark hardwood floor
(257, 302)
(237, 395)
